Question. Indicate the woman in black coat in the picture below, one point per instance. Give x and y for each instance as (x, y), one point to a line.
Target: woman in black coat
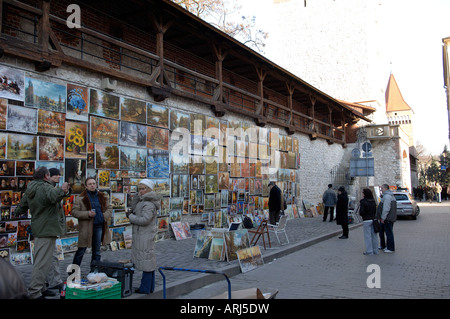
(342, 211)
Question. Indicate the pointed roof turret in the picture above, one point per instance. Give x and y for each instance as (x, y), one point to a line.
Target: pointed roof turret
(394, 98)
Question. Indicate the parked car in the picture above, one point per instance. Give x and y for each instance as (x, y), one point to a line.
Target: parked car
(406, 205)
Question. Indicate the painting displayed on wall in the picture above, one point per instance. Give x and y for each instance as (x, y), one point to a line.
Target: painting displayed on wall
(75, 174)
(3, 110)
(12, 85)
(106, 156)
(133, 158)
(22, 119)
(51, 148)
(157, 163)
(104, 104)
(51, 122)
(21, 147)
(133, 110)
(132, 134)
(45, 95)
(179, 119)
(104, 130)
(157, 138)
(76, 135)
(77, 102)
(157, 115)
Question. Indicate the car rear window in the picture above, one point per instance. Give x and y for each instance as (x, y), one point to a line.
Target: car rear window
(401, 197)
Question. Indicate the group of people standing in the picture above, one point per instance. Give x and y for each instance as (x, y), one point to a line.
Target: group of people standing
(385, 214)
(429, 193)
(94, 212)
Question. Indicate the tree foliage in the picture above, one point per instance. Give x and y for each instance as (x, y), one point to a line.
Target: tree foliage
(222, 14)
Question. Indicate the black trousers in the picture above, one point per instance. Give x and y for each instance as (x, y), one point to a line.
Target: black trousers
(325, 213)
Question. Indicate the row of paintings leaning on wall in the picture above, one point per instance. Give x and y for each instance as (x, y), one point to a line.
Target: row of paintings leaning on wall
(205, 168)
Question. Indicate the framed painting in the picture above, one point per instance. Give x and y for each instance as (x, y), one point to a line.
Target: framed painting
(133, 158)
(157, 115)
(157, 164)
(157, 138)
(77, 102)
(51, 122)
(106, 156)
(22, 119)
(133, 110)
(104, 130)
(211, 184)
(132, 134)
(7, 168)
(104, 104)
(197, 123)
(75, 174)
(76, 134)
(179, 120)
(22, 147)
(13, 83)
(3, 113)
(51, 148)
(45, 95)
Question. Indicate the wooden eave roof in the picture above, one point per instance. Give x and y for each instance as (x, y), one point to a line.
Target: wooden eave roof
(196, 36)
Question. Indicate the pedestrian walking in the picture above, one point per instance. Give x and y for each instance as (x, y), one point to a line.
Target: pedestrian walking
(438, 192)
(47, 223)
(94, 211)
(275, 203)
(342, 211)
(367, 210)
(387, 215)
(142, 216)
(329, 200)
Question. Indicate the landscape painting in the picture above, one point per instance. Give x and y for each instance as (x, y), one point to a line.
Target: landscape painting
(133, 158)
(104, 104)
(45, 95)
(22, 119)
(51, 122)
(22, 147)
(157, 115)
(133, 110)
(132, 134)
(104, 130)
(106, 156)
(157, 163)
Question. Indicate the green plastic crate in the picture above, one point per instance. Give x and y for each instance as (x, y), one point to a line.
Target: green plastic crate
(115, 292)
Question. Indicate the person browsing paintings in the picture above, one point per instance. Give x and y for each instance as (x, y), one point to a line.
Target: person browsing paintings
(275, 203)
(47, 223)
(142, 216)
(94, 212)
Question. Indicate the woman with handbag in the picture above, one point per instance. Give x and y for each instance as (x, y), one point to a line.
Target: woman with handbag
(367, 210)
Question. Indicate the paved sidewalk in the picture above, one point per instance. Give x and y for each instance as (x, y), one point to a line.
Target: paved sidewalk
(302, 232)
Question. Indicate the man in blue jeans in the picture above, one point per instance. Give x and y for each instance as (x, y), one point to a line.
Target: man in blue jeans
(387, 214)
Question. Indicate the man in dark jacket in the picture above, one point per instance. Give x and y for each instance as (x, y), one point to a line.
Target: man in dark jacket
(47, 222)
(275, 202)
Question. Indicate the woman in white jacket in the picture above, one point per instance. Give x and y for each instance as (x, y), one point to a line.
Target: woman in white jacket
(143, 218)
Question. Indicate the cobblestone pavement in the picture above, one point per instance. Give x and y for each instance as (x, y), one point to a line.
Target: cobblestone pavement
(171, 253)
(336, 268)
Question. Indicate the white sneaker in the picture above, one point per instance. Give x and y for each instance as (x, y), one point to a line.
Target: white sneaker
(387, 250)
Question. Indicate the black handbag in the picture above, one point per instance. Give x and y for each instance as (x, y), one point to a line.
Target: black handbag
(376, 225)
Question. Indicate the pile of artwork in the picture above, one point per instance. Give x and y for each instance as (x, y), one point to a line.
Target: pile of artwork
(206, 169)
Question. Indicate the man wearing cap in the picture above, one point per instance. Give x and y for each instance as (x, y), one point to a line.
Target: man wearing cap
(94, 212)
(274, 203)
